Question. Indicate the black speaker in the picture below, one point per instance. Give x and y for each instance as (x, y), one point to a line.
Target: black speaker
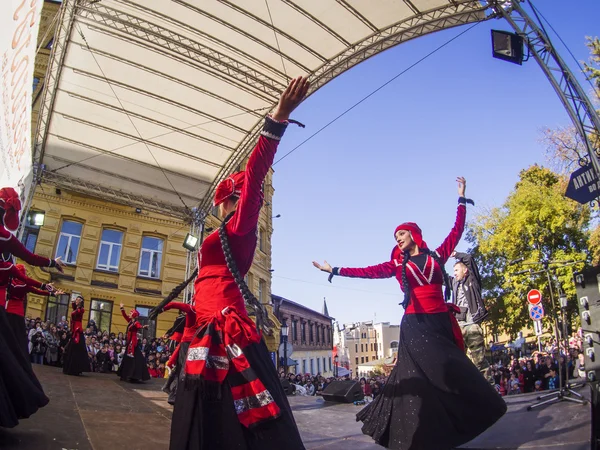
(346, 391)
(287, 387)
(587, 284)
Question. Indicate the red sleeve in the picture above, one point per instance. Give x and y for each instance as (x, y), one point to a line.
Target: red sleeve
(451, 241)
(14, 272)
(10, 243)
(383, 270)
(180, 306)
(245, 218)
(125, 316)
(33, 290)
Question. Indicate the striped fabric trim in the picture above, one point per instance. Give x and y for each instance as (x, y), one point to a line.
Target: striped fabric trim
(259, 400)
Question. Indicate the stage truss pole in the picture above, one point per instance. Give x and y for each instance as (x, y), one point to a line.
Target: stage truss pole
(573, 97)
(196, 229)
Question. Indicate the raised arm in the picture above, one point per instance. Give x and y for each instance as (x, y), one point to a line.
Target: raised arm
(452, 240)
(16, 273)
(245, 218)
(185, 307)
(11, 244)
(383, 270)
(125, 316)
(32, 290)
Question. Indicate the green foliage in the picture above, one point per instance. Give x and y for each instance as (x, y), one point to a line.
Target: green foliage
(539, 224)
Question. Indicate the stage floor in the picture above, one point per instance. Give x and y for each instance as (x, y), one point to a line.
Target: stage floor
(99, 412)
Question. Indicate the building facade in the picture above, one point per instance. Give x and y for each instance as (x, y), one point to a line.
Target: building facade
(359, 344)
(310, 334)
(117, 253)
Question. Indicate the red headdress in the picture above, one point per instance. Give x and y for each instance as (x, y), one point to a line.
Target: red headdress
(231, 185)
(10, 202)
(415, 233)
(134, 313)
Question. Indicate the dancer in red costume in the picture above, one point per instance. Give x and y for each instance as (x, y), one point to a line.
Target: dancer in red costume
(435, 398)
(177, 359)
(76, 359)
(21, 394)
(231, 396)
(17, 297)
(133, 368)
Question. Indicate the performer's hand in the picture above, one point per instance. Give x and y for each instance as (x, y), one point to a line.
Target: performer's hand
(325, 267)
(453, 253)
(462, 186)
(59, 264)
(291, 98)
(121, 306)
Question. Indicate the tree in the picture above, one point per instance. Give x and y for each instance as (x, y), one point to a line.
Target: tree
(536, 223)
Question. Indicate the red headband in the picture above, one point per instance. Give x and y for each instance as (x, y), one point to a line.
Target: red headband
(231, 185)
(134, 313)
(415, 233)
(11, 203)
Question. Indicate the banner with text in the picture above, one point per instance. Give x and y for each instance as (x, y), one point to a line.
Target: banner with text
(19, 24)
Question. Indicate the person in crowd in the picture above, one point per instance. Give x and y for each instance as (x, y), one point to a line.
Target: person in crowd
(133, 368)
(432, 376)
(76, 359)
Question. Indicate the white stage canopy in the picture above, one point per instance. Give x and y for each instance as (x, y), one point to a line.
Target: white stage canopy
(152, 102)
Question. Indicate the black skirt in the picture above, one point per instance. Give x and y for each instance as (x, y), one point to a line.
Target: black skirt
(435, 398)
(133, 368)
(202, 424)
(76, 359)
(21, 394)
(17, 325)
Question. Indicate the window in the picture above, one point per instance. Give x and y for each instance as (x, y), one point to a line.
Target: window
(101, 313)
(394, 344)
(330, 363)
(324, 366)
(303, 329)
(109, 253)
(250, 281)
(371, 346)
(303, 366)
(262, 290)
(150, 257)
(317, 334)
(318, 365)
(31, 231)
(323, 334)
(361, 348)
(36, 82)
(367, 359)
(294, 330)
(362, 359)
(68, 241)
(357, 360)
(49, 45)
(375, 346)
(312, 366)
(150, 332)
(57, 307)
(356, 348)
(261, 239)
(310, 332)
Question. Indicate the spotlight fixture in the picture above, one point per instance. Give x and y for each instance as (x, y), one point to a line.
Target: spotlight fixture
(507, 46)
(138, 210)
(190, 243)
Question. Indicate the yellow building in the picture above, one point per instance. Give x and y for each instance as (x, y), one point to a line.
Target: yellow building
(117, 253)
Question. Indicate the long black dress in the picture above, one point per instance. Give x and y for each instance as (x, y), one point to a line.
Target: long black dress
(76, 359)
(133, 366)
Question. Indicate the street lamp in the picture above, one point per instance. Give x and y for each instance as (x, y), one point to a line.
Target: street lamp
(284, 338)
(191, 242)
(335, 365)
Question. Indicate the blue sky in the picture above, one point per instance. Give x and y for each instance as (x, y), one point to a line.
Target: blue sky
(395, 157)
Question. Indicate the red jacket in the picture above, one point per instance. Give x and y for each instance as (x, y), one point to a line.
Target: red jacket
(426, 285)
(8, 271)
(9, 243)
(77, 322)
(215, 287)
(132, 329)
(17, 294)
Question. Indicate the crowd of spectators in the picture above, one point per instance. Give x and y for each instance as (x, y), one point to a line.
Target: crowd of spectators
(47, 342)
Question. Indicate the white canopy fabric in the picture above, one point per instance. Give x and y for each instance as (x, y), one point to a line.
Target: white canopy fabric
(153, 102)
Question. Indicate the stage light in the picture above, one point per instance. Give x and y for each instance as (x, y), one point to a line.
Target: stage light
(507, 46)
(138, 210)
(37, 219)
(563, 300)
(190, 243)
